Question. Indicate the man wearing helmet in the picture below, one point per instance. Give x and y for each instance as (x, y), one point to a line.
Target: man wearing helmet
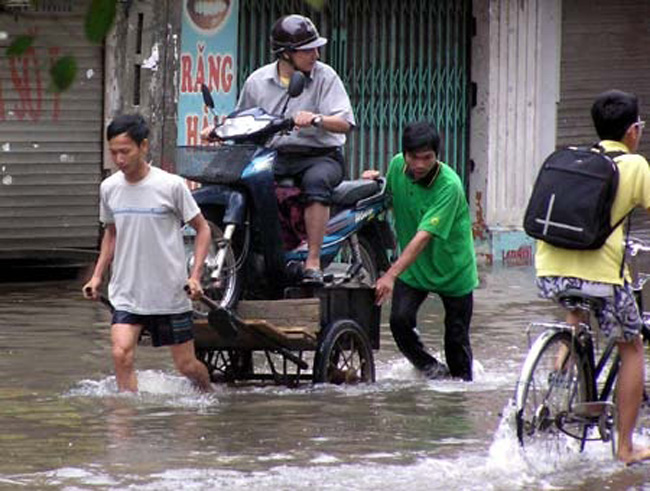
(322, 115)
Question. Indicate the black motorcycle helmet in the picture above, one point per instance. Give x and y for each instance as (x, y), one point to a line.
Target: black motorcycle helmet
(295, 32)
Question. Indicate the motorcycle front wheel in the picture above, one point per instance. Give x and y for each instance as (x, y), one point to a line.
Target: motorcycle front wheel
(224, 289)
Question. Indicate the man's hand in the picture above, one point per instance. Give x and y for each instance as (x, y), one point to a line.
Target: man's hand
(91, 289)
(207, 135)
(370, 174)
(303, 118)
(384, 288)
(194, 289)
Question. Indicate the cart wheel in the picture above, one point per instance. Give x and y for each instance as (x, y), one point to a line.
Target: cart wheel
(226, 365)
(344, 355)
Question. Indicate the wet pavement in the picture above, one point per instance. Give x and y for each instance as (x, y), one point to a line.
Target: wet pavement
(64, 426)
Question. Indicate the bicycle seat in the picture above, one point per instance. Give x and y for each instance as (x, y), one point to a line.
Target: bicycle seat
(572, 299)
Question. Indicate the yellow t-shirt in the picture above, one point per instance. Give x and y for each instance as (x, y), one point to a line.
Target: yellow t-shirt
(604, 264)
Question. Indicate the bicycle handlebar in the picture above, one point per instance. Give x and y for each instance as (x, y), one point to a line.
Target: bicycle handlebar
(635, 245)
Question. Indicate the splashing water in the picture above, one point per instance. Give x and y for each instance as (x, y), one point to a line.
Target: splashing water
(153, 387)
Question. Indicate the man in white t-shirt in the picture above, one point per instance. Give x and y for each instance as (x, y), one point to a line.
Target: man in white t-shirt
(143, 208)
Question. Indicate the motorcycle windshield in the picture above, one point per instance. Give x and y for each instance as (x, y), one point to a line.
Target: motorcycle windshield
(240, 126)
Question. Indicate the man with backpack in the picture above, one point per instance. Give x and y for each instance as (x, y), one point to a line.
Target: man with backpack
(597, 270)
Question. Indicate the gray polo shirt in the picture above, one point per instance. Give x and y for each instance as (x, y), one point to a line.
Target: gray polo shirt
(324, 94)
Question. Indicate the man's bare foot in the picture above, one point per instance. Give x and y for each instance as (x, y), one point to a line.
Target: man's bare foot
(635, 456)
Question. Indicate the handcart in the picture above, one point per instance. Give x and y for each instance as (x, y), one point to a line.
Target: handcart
(326, 336)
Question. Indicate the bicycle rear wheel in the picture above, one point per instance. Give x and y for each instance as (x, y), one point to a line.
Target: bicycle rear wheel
(553, 380)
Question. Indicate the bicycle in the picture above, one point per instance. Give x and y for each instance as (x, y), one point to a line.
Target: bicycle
(563, 389)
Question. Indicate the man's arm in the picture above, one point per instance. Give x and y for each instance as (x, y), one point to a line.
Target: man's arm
(245, 101)
(333, 124)
(201, 246)
(333, 109)
(385, 284)
(107, 249)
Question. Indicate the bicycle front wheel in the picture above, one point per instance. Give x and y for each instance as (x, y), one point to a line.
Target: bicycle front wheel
(553, 380)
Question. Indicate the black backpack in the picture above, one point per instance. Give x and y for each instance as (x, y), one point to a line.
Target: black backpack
(571, 202)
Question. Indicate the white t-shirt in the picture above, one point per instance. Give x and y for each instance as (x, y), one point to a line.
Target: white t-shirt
(149, 268)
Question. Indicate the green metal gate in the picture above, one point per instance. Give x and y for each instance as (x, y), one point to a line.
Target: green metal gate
(399, 60)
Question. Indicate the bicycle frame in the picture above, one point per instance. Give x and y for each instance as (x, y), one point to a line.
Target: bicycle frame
(559, 390)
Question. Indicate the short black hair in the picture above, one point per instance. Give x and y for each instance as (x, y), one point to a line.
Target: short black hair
(420, 135)
(133, 125)
(613, 112)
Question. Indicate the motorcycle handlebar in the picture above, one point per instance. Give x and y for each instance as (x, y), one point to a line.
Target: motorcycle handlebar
(285, 124)
(274, 127)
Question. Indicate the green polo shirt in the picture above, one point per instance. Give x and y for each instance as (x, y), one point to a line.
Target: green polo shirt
(436, 205)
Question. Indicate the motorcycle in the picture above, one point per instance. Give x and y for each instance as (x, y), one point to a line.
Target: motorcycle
(248, 258)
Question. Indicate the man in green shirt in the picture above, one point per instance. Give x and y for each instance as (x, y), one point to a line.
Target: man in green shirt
(435, 236)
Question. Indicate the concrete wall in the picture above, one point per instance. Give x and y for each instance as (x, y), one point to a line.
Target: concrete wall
(141, 64)
(515, 64)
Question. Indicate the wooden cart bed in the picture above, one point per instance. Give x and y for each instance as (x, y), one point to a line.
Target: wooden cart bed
(294, 323)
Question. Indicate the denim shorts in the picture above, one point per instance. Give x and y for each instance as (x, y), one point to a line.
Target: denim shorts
(619, 316)
(165, 330)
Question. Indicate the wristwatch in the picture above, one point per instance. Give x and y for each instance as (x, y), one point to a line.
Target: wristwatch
(317, 121)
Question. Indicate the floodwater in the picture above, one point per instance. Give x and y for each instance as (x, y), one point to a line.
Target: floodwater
(64, 426)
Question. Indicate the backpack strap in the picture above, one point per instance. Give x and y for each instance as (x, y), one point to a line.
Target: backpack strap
(627, 237)
(613, 155)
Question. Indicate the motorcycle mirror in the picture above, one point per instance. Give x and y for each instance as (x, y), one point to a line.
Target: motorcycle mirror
(296, 84)
(207, 97)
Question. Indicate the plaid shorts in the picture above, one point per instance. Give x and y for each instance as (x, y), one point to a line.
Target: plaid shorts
(619, 316)
(165, 330)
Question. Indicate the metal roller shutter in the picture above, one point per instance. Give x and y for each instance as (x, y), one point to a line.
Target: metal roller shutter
(50, 144)
(400, 61)
(604, 46)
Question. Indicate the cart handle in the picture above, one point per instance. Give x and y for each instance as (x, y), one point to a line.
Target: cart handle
(103, 299)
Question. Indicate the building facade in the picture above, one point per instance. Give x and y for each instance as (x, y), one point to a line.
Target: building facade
(506, 81)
